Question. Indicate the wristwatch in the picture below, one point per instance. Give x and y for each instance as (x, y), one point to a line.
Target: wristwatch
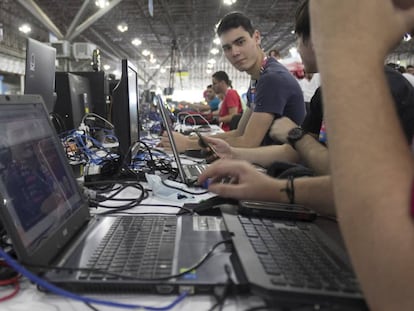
(294, 135)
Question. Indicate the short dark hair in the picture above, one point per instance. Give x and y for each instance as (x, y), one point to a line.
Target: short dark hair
(302, 20)
(222, 76)
(235, 20)
(275, 51)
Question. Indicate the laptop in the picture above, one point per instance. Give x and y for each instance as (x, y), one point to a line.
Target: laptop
(49, 223)
(293, 263)
(188, 173)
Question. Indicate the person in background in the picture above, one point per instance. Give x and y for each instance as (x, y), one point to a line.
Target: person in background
(231, 104)
(273, 91)
(211, 99)
(410, 69)
(302, 144)
(275, 53)
(309, 84)
(372, 175)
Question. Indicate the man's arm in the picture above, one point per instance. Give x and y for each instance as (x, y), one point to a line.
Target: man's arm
(266, 155)
(313, 192)
(256, 129)
(372, 166)
(310, 151)
(227, 118)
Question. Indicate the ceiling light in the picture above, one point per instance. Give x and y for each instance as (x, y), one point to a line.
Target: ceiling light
(146, 52)
(101, 3)
(106, 67)
(211, 61)
(122, 27)
(163, 70)
(209, 65)
(136, 42)
(209, 71)
(217, 41)
(25, 28)
(214, 51)
(153, 60)
(229, 2)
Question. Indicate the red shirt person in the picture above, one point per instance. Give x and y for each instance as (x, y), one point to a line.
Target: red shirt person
(231, 104)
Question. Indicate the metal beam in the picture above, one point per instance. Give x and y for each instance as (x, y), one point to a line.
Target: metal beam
(37, 12)
(92, 19)
(77, 17)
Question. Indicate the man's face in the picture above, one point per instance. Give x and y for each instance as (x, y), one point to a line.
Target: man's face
(307, 54)
(210, 93)
(240, 48)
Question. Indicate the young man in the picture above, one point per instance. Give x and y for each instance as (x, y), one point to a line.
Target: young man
(302, 144)
(273, 90)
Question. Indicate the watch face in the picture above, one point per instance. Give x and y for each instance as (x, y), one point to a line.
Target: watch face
(296, 133)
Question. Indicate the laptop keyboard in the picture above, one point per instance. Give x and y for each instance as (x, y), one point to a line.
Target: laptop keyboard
(293, 255)
(140, 247)
(194, 170)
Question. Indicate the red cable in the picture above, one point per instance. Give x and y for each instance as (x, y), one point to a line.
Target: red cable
(12, 294)
(12, 281)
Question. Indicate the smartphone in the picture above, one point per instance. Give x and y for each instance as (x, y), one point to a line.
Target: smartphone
(203, 144)
(276, 210)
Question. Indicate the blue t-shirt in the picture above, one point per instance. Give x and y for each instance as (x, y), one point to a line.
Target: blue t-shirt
(214, 104)
(277, 92)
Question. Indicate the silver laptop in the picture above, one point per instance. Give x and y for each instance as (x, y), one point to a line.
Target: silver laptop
(53, 233)
(188, 173)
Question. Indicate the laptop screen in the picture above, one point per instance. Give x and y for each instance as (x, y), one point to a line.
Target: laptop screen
(38, 190)
(168, 128)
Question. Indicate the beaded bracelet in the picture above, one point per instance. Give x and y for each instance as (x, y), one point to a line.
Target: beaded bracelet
(290, 189)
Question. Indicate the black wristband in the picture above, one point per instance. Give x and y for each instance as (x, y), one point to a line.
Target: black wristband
(290, 189)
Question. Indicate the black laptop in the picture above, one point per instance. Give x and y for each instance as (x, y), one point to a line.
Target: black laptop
(50, 225)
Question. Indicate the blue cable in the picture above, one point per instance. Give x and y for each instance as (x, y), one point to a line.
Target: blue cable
(59, 291)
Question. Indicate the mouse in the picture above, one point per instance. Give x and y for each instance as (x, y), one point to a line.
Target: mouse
(210, 206)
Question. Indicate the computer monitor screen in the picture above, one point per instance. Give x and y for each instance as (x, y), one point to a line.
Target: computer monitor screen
(40, 71)
(125, 104)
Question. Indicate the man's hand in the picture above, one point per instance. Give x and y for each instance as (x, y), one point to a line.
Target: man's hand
(280, 129)
(221, 147)
(240, 180)
(181, 141)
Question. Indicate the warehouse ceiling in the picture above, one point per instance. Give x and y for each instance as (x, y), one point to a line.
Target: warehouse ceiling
(178, 33)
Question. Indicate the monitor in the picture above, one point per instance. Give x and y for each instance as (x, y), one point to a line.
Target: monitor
(124, 110)
(40, 71)
(99, 90)
(73, 99)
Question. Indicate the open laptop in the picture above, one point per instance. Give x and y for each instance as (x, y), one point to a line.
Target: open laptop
(188, 173)
(50, 225)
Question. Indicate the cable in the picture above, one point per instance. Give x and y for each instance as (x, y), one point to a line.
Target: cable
(91, 114)
(183, 190)
(61, 292)
(223, 297)
(16, 289)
